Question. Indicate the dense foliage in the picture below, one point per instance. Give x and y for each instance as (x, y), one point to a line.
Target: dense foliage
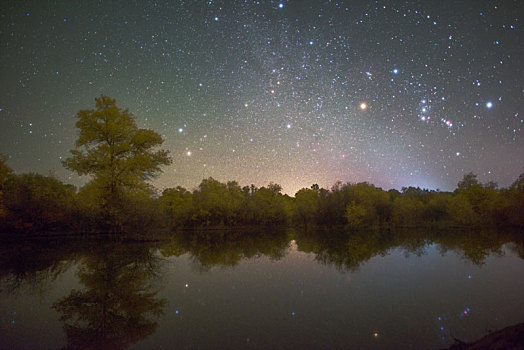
(118, 155)
(33, 202)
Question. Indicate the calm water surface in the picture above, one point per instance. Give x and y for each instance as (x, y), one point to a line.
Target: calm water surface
(264, 290)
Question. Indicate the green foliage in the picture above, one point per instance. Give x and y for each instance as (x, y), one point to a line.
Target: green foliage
(407, 211)
(358, 206)
(370, 203)
(356, 214)
(306, 205)
(475, 203)
(37, 202)
(116, 153)
(270, 206)
(461, 211)
(436, 208)
(177, 205)
(217, 203)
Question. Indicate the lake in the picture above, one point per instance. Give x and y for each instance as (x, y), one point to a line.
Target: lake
(262, 289)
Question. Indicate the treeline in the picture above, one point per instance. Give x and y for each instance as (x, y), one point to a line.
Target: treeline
(33, 202)
(358, 206)
(120, 158)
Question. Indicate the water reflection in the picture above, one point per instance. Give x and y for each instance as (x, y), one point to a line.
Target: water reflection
(347, 251)
(117, 304)
(34, 265)
(227, 248)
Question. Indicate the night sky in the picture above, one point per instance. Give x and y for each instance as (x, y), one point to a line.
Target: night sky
(395, 93)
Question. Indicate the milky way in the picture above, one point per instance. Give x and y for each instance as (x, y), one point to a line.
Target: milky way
(294, 92)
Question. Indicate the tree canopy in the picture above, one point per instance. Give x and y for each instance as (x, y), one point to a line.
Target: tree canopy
(111, 147)
(120, 156)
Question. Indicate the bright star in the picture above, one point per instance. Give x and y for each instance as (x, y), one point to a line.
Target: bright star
(489, 104)
(363, 106)
(395, 71)
(280, 6)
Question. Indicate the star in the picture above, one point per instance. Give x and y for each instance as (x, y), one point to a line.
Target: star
(274, 81)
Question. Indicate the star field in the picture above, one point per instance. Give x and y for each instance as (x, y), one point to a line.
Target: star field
(295, 92)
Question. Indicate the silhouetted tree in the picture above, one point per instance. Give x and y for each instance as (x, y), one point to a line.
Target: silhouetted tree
(5, 170)
(468, 181)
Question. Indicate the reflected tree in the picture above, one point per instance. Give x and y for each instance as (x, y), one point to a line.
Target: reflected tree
(227, 248)
(34, 265)
(118, 307)
(349, 250)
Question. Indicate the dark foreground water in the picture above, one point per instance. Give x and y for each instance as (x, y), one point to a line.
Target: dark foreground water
(265, 290)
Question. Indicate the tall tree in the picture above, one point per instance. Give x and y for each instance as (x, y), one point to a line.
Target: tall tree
(120, 156)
